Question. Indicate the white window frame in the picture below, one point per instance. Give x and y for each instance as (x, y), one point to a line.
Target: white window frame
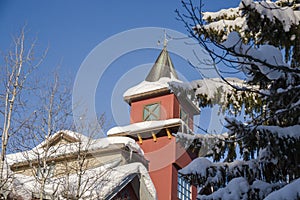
(184, 189)
(184, 116)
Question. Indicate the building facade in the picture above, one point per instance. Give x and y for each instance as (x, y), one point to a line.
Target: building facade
(157, 113)
(69, 165)
(137, 161)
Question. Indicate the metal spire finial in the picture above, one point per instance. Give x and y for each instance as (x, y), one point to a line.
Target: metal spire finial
(165, 39)
(163, 66)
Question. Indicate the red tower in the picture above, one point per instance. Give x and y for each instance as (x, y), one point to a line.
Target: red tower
(156, 114)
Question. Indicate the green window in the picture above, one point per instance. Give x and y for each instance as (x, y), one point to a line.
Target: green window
(151, 112)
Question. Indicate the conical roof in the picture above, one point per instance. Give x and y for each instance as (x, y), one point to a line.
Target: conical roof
(157, 81)
(163, 67)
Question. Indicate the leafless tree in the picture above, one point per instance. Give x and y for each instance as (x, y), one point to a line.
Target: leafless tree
(53, 113)
(18, 64)
(77, 181)
(34, 127)
(67, 176)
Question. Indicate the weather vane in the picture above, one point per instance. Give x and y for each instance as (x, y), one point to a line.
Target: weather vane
(166, 40)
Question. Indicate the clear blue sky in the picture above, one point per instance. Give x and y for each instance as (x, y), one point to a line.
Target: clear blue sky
(71, 29)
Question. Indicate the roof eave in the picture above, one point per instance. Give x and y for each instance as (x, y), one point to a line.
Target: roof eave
(144, 95)
(70, 155)
(151, 129)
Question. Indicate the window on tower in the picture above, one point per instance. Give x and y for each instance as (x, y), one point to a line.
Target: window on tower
(183, 189)
(151, 112)
(184, 116)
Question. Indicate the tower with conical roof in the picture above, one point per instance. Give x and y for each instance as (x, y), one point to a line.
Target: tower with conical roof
(156, 114)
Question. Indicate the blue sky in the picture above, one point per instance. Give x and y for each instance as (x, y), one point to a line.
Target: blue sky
(72, 29)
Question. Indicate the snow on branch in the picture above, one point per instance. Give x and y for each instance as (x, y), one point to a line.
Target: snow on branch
(225, 92)
(239, 188)
(205, 144)
(236, 180)
(282, 132)
(271, 10)
(227, 20)
(230, 13)
(290, 191)
(267, 58)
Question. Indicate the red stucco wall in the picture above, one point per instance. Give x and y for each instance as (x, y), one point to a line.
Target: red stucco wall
(167, 110)
(162, 180)
(170, 108)
(163, 154)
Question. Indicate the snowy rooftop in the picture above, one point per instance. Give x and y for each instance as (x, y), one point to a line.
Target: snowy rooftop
(100, 182)
(143, 126)
(146, 86)
(161, 73)
(86, 143)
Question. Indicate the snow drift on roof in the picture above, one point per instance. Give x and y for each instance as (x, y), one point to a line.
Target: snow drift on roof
(146, 86)
(88, 145)
(141, 126)
(99, 182)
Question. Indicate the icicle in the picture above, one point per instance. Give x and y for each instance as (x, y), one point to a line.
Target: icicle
(130, 157)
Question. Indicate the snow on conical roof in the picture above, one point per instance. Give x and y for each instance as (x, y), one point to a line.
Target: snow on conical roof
(157, 80)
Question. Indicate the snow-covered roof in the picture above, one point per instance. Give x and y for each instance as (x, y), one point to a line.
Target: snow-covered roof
(161, 73)
(143, 126)
(146, 86)
(99, 182)
(87, 144)
(163, 86)
(71, 134)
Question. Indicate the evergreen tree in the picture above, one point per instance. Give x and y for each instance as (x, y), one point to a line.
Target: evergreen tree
(261, 39)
